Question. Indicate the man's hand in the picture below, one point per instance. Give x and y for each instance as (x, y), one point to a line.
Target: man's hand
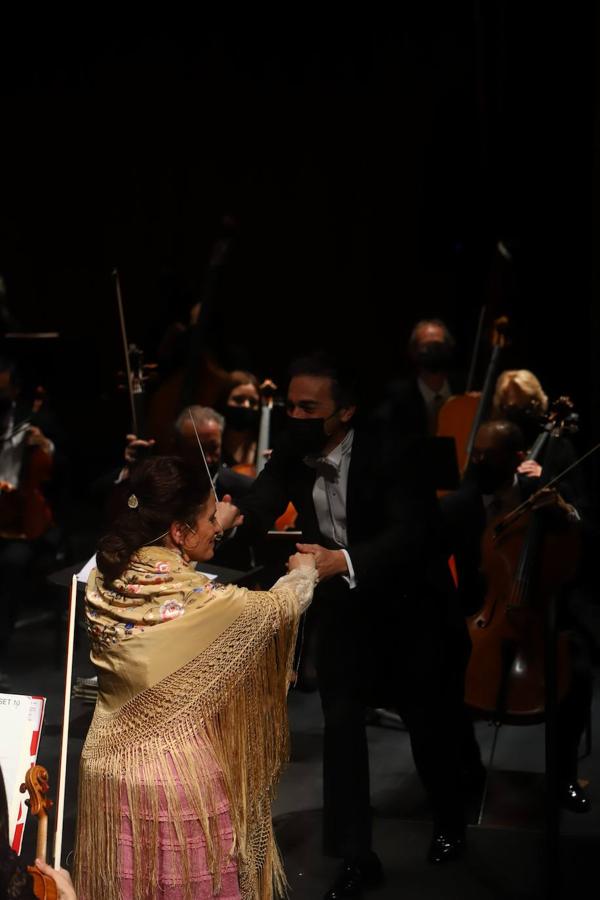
(37, 438)
(530, 468)
(549, 498)
(6, 487)
(328, 562)
(134, 444)
(228, 515)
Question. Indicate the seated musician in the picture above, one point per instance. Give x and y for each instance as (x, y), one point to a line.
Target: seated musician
(520, 398)
(28, 438)
(209, 426)
(240, 405)
(493, 487)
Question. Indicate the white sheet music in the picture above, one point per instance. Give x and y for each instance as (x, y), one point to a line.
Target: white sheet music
(21, 719)
(84, 573)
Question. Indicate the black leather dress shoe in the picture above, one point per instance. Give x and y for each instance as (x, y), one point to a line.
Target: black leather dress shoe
(353, 877)
(446, 846)
(574, 798)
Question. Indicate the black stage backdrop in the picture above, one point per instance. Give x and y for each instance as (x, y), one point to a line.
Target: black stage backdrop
(372, 164)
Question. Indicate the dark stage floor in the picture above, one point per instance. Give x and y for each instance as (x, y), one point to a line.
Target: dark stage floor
(506, 846)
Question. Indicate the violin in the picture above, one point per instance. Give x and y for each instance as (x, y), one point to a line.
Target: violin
(36, 783)
(525, 564)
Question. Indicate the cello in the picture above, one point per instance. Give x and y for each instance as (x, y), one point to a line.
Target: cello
(525, 564)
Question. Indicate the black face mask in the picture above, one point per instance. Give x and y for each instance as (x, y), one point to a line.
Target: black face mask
(527, 418)
(242, 418)
(487, 477)
(434, 356)
(307, 435)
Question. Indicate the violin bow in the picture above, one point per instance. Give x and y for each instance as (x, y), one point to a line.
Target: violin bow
(64, 743)
(203, 455)
(134, 421)
(519, 510)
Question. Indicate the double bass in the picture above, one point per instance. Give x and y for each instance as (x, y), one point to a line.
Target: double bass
(462, 414)
(525, 564)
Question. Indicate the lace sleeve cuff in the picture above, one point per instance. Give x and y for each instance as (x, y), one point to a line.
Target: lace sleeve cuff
(301, 582)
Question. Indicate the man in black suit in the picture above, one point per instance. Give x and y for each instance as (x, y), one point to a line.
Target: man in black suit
(386, 616)
(414, 402)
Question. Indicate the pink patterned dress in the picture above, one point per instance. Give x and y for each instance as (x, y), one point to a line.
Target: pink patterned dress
(171, 875)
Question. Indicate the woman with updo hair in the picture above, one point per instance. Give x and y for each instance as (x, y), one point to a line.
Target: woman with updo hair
(190, 728)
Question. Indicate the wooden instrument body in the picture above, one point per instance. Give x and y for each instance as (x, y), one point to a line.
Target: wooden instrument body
(506, 672)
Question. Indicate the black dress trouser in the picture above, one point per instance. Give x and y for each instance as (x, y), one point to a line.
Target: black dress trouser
(423, 673)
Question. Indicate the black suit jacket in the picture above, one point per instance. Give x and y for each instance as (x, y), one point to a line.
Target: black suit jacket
(393, 522)
(403, 407)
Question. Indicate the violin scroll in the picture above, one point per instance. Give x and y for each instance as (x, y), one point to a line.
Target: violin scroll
(37, 785)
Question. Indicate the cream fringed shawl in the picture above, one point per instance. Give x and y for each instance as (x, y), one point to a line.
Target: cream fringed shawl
(178, 660)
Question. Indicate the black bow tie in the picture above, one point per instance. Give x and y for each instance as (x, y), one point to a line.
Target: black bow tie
(324, 467)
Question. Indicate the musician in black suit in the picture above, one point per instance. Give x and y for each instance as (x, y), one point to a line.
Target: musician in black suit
(415, 401)
(385, 605)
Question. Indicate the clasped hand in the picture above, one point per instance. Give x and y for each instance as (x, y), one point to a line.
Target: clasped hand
(328, 562)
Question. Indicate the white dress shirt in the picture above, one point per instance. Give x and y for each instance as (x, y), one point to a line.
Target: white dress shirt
(330, 495)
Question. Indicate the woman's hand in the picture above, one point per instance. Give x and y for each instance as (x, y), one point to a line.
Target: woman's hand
(61, 878)
(327, 562)
(301, 561)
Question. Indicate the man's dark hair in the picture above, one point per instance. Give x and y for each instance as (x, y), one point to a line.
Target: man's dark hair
(509, 436)
(344, 387)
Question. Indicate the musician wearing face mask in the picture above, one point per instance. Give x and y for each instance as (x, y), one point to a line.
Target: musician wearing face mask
(493, 487)
(384, 605)
(520, 398)
(416, 401)
(240, 407)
